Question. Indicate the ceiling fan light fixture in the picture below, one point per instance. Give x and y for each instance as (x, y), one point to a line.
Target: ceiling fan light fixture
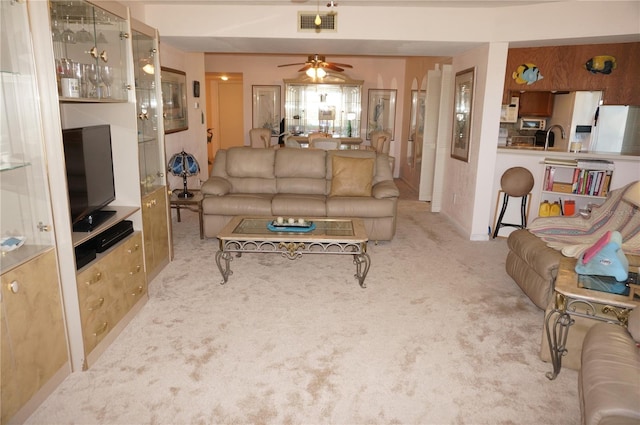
(316, 73)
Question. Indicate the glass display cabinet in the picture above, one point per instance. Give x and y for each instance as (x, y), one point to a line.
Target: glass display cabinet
(26, 208)
(150, 131)
(331, 105)
(90, 50)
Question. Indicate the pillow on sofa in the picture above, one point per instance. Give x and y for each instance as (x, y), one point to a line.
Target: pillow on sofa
(351, 176)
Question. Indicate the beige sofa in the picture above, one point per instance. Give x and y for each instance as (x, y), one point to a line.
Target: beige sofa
(609, 380)
(301, 183)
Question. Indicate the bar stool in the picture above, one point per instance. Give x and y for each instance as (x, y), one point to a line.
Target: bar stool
(516, 182)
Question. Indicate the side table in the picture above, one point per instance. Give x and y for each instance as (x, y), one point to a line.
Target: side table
(572, 300)
(192, 204)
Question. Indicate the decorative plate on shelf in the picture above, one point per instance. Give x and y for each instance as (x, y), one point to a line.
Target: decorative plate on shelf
(12, 242)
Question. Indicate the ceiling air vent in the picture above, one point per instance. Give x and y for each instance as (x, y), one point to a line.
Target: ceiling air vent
(306, 21)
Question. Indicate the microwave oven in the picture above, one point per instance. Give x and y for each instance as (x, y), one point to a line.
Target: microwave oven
(533, 123)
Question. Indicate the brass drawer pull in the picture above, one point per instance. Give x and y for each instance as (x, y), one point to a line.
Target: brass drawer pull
(140, 291)
(137, 270)
(96, 305)
(134, 249)
(101, 329)
(95, 279)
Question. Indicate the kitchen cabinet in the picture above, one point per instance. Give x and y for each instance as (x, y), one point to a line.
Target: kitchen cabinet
(108, 288)
(33, 354)
(536, 104)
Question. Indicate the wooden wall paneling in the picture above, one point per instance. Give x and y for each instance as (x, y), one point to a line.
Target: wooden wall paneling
(563, 69)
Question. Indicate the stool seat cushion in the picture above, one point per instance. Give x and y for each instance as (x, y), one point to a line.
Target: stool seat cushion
(517, 181)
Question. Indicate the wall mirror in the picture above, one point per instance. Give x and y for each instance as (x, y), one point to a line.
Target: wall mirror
(462, 109)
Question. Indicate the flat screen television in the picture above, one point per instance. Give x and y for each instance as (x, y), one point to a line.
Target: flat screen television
(89, 163)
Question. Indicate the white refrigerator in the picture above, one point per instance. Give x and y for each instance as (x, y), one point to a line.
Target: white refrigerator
(617, 129)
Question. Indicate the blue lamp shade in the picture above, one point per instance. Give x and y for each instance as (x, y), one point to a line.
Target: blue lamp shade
(184, 164)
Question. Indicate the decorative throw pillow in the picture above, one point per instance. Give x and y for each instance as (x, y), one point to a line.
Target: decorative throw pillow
(351, 176)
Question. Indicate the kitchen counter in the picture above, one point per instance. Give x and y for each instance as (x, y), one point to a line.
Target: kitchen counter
(539, 151)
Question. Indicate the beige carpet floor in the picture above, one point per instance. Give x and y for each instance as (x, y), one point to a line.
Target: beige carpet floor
(441, 335)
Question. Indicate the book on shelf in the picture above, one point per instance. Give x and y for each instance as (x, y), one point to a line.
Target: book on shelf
(595, 164)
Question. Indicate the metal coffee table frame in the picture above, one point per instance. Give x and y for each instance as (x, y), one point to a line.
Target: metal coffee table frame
(571, 300)
(338, 236)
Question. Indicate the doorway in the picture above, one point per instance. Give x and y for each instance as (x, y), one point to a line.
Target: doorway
(225, 111)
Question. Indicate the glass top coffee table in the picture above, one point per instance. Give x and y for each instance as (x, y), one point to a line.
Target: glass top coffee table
(338, 236)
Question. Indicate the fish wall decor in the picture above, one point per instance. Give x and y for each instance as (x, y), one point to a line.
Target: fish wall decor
(527, 73)
(601, 64)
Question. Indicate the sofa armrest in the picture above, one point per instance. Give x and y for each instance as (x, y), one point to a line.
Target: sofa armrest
(385, 189)
(216, 186)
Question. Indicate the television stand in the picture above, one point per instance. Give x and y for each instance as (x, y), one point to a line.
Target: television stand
(93, 220)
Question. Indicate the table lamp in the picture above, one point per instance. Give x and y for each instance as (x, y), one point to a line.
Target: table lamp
(185, 165)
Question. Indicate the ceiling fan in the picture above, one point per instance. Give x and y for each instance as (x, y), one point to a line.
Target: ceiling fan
(316, 62)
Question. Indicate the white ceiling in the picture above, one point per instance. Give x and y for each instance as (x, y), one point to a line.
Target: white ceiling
(349, 46)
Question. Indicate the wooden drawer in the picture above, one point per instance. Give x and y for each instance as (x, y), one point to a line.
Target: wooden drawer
(109, 288)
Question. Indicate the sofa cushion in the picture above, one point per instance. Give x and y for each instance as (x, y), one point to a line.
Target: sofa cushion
(238, 204)
(609, 384)
(299, 205)
(351, 176)
(300, 163)
(533, 266)
(248, 162)
(360, 206)
(217, 186)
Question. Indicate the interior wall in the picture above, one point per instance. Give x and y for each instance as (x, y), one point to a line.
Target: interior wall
(468, 184)
(194, 139)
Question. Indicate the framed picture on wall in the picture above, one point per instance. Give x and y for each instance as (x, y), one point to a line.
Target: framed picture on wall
(381, 113)
(462, 114)
(266, 108)
(174, 100)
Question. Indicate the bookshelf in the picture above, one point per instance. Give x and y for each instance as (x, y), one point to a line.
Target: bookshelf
(586, 182)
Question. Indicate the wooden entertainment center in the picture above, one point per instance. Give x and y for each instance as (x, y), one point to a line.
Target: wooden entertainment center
(75, 310)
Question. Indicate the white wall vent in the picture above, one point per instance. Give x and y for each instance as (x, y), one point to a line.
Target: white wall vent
(306, 21)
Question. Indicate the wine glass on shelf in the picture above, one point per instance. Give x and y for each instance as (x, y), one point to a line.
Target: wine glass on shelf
(68, 36)
(94, 78)
(106, 74)
(83, 36)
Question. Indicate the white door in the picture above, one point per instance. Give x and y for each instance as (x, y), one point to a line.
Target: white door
(430, 119)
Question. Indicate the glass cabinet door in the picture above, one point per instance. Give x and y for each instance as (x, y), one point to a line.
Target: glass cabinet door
(146, 67)
(90, 49)
(25, 207)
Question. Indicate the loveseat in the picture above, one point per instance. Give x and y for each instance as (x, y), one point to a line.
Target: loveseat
(301, 183)
(609, 379)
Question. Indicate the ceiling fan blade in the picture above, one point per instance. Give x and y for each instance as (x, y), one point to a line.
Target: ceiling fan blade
(344, 65)
(334, 67)
(304, 68)
(292, 64)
